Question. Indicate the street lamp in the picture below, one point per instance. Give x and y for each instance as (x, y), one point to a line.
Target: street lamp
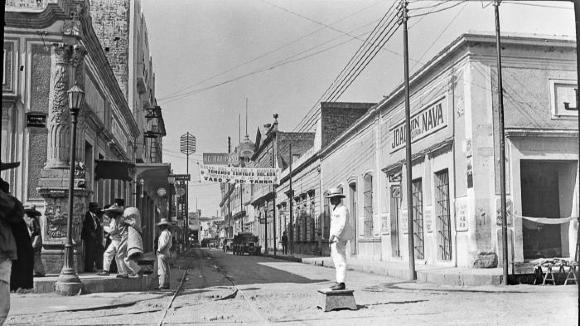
(68, 282)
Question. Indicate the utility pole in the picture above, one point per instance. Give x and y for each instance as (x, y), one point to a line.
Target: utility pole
(291, 199)
(274, 165)
(409, 163)
(577, 26)
(501, 146)
(187, 147)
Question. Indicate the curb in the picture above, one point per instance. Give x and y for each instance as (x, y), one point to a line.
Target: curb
(443, 277)
(283, 257)
(97, 284)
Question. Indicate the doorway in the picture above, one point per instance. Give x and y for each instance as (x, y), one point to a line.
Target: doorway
(541, 185)
(353, 218)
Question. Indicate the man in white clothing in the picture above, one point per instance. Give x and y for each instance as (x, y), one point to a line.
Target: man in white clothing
(340, 234)
(163, 254)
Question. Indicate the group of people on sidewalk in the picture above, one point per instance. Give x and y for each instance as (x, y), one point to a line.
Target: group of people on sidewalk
(123, 242)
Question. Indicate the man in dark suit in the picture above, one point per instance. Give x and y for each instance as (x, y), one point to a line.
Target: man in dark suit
(92, 236)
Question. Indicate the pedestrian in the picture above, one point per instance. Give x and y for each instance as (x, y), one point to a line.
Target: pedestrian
(31, 219)
(106, 220)
(340, 233)
(116, 229)
(22, 273)
(163, 254)
(133, 243)
(92, 236)
(284, 243)
(11, 212)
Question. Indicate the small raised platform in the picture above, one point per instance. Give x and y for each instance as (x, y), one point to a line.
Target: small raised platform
(338, 299)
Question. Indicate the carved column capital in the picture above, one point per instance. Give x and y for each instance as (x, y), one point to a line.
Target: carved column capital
(78, 55)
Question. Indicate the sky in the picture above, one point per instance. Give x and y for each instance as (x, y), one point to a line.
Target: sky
(209, 56)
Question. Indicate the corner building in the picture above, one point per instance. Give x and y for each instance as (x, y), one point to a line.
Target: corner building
(455, 146)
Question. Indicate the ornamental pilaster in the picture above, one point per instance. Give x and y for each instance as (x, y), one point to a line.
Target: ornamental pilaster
(58, 122)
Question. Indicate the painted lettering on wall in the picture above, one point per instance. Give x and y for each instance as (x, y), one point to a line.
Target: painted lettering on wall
(423, 123)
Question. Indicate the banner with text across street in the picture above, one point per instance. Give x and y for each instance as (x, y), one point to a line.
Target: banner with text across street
(220, 173)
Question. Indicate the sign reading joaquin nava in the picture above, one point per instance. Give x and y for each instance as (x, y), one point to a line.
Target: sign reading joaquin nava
(425, 122)
(220, 173)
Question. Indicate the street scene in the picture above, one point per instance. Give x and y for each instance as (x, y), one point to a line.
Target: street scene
(299, 162)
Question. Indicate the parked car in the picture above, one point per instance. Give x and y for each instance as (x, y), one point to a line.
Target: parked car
(246, 242)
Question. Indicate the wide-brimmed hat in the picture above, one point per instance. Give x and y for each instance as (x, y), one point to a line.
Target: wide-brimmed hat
(114, 209)
(7, 166)
(164, 221)
(30, 210)
(335, 192)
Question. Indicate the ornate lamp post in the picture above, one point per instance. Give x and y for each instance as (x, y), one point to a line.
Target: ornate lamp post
(68, 282)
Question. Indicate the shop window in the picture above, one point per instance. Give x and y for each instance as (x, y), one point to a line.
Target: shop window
(313, 220)
(418, 234)
(326, 217)
(443, 223)
(395, 200)
(368, 205)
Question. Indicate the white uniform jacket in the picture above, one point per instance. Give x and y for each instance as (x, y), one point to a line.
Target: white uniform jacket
(340, 225)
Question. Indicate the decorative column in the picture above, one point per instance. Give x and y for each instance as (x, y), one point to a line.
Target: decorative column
(66, 69)
(58, 122)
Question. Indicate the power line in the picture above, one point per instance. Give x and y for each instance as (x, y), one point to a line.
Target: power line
(280, 63)
(439, 10)
(440, 34)
(371, 39)
(341, 19)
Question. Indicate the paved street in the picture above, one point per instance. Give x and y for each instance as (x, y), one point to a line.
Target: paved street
(222, 289)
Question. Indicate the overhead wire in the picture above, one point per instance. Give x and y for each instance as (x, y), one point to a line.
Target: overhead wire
(341, 19)
(439, 10)
(361, 52)
(441, 33)
(285, 61)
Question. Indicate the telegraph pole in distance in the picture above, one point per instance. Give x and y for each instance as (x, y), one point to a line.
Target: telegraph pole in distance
(187, 147)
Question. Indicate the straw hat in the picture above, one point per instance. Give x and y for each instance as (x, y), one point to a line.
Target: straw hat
(114, 209)
(7, 166)
(164, 221)
(335, 192)
(30, 210)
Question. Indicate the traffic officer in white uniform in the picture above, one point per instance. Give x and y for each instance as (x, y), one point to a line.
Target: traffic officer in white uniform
(340, 233)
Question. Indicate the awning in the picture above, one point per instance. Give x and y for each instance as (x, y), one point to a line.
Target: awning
(117, 170)
(154, 176)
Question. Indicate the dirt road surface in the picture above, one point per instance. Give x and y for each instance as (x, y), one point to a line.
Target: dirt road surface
(224, 289)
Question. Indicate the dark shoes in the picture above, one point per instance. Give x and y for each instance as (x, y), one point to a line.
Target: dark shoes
(103, 273)
(338, 286)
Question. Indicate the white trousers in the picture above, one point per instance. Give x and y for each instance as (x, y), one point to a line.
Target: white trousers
(338, 254)
(163, 270)
(115, 251)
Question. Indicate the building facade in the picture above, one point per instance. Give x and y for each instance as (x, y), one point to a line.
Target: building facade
(455, 146)
(49, 46)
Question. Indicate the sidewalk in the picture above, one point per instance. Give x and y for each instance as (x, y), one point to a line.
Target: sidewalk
(425, 273)
(93, 283)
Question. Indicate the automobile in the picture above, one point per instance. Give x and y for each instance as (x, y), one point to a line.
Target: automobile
(246, 242)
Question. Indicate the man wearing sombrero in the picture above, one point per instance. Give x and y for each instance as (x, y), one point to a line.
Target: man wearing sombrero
(340, 234)
(163, 254)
